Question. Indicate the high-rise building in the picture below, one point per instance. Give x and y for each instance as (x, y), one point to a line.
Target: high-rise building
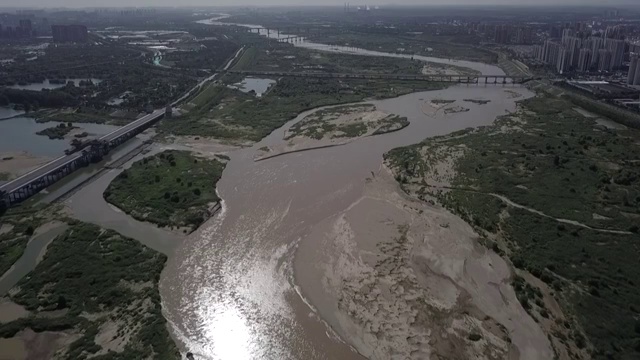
(617, 52)
(524, 35)
(537, 52)
(26, 26)
(604, 60)
(567, 33)
(584, 60)
(597, 43)
(573, 45)
(614, 32)
(631, 76)
(503, 34)
(636, 78)
(562, 61)
(69, 33)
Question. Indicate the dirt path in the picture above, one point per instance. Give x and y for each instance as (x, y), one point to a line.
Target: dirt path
(537, 212)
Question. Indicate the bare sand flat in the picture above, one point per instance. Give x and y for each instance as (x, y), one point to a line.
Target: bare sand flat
(333, 126)
(12, 349)
(10, 311)
(19, 163)
(400, 279)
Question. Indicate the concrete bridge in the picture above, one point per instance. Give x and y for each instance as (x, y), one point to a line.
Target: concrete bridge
(79, 156)
(462, 79)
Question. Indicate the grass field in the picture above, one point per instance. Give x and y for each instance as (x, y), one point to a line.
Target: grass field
(247, 59)
(231, 114)
(419, 45)
(288, 58)
(173, 188)
(576, 185)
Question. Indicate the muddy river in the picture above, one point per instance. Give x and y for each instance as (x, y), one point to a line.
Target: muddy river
(252, 282)
(262, 279)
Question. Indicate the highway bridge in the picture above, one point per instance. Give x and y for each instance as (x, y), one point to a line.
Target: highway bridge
(463, 79)
(81, 155)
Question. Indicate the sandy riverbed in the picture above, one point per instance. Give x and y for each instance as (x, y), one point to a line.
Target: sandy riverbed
(18, 163)
(324, 127)
(401, 279)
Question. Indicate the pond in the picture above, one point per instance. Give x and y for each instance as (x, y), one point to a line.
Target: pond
(48, 85)
(260, 86)
(19, 134)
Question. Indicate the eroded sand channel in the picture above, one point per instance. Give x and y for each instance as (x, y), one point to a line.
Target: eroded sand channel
(230, 290)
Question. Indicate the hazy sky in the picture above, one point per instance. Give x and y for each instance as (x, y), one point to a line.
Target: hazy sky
(114, 3)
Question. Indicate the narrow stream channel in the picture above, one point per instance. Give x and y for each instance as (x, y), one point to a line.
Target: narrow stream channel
(32, 254)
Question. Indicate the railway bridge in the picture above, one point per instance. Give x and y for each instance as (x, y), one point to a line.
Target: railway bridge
(463, 79)
(80, 155)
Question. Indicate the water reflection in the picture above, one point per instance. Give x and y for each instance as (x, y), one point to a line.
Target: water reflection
(19, 134)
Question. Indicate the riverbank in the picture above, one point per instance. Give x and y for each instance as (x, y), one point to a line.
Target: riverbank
(171, 189)
(113, 307)
(548, 188)
(411, 280)
(333, 126)
(15, 164)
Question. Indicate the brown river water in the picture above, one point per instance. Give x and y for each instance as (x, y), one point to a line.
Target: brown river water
(230, 289)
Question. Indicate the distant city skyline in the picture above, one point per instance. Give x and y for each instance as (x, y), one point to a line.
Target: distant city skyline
(174, 3)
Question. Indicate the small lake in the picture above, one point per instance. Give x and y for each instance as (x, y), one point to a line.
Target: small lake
(48, 85)
(260, 86)
(7, 112)
(19, 134)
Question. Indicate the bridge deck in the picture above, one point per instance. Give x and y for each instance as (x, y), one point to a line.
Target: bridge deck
(39, 172)
(62, 161)
(438, 78)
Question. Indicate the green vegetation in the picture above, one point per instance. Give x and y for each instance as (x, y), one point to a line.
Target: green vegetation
(79, 115)
(5, 176)
(391, 123)
(107, 285)
(550, 159)
(58, 131)
(231, 114)
(405, 44)
(288, 58)
(119, 67)
(173, 188)
(247, 60)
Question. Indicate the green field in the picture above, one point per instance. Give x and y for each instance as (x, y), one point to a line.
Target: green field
(93, 279)
(288, 58)
(173, 188)
(580, 181)
(247, 59)
(226, 113)
(435, 46)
